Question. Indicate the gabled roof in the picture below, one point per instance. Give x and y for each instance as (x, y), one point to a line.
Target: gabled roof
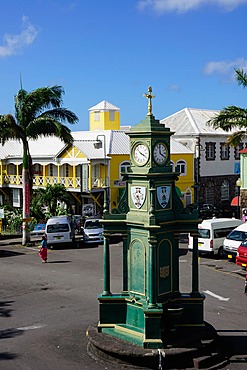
(178, 148)
(104, 105)
(191, 121)
(116, 142)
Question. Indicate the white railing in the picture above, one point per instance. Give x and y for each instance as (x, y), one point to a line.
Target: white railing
(42, 181)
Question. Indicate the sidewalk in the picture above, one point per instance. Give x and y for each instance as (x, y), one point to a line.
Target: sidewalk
(13, 239)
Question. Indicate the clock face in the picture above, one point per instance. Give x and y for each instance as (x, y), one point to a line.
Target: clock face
(141, 154)
(160, 153)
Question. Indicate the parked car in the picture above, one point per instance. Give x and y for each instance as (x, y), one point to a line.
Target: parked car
(92, 231)
(233, 241)
(60, 230)
(241, 258)
(38, 230)
(212, 233)
(208, 211)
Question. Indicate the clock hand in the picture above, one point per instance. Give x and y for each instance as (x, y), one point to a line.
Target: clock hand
(141, 153)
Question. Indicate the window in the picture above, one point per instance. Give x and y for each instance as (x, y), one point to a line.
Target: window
(222, 233)
(51, 170)
(96, 116)
(224, 190)
(210, 151)
(11, 169)
(188, 197)
(181, 167)
(224, 151)
(16, 198)
(58, 228)
(37, 169)
(124, 168)
(67, 170)
(112, 115)
(236, 151)
(209, 193)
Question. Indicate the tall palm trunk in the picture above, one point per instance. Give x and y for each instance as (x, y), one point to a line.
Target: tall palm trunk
(26, 195)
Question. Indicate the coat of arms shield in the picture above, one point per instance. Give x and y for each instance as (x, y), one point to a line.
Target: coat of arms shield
(163, 195)
(138, 195)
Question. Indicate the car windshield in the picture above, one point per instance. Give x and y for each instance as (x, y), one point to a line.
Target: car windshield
(57, 228)
(204, 233)
(93, 225)
(244, 244)
(237, 235)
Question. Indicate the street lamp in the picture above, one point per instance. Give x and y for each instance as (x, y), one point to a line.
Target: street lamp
(238, 184)
(98, 145)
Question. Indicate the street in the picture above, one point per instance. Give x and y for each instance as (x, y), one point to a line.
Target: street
(46, 308)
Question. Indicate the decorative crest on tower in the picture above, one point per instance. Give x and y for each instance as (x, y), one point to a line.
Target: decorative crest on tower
(149, 96)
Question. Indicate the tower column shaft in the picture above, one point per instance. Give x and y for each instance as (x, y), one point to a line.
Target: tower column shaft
(107, 290)
(195, 275)
(152, 275)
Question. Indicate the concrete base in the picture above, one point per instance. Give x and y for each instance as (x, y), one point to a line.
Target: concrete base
(191, 348)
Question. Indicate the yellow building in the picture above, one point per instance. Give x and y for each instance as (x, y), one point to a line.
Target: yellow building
(91, 167)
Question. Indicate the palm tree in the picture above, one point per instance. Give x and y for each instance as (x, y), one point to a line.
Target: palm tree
(50, 196)
(38, 113)
(233, 117)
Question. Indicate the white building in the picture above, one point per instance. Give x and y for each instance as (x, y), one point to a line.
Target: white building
(216, 165)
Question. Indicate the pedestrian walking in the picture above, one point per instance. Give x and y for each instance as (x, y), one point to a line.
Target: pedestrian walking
(43, 249)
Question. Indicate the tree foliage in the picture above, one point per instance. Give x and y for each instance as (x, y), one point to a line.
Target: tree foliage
(233, 117)
(37, 113)
(49, 201)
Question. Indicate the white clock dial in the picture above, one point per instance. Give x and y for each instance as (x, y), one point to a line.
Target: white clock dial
(160, 153)
(141, 154)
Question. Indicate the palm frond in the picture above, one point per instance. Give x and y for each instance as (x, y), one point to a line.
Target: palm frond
(236, 138)
(9, 129)
(229, 118)
(241, 77)
(47, 126)
(44, 98)
(61, 114)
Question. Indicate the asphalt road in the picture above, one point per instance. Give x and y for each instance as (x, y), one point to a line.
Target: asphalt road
(45, 309)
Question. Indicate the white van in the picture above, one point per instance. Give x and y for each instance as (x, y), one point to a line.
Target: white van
(233, 241)
(212, 234)
(60, 230)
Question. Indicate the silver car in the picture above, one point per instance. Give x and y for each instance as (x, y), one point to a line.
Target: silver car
(92, 231)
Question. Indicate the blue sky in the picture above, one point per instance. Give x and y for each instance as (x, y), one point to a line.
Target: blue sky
(113, 50)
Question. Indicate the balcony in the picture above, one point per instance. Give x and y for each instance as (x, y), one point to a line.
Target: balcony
(71, 183)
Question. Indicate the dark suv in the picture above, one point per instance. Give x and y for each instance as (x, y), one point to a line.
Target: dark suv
(208, 211)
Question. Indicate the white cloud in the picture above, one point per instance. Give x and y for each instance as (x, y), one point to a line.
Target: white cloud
(12, 44)
(174, 87)
(182, 6)
(225, 67)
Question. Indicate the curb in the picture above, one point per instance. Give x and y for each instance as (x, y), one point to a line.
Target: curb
(202, 351)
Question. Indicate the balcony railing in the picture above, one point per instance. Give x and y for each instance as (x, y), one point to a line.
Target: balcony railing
(41, 181)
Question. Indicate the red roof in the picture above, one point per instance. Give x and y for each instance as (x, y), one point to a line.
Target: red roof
(243, 151)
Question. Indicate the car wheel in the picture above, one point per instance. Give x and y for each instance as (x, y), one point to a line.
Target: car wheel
(221, 253)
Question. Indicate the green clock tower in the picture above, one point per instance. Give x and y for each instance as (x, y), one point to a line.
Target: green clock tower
(151, 218)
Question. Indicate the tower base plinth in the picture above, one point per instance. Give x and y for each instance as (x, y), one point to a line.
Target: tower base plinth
(186, 348)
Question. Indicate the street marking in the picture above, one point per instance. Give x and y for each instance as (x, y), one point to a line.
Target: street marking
(216, 295)
(38, 326)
